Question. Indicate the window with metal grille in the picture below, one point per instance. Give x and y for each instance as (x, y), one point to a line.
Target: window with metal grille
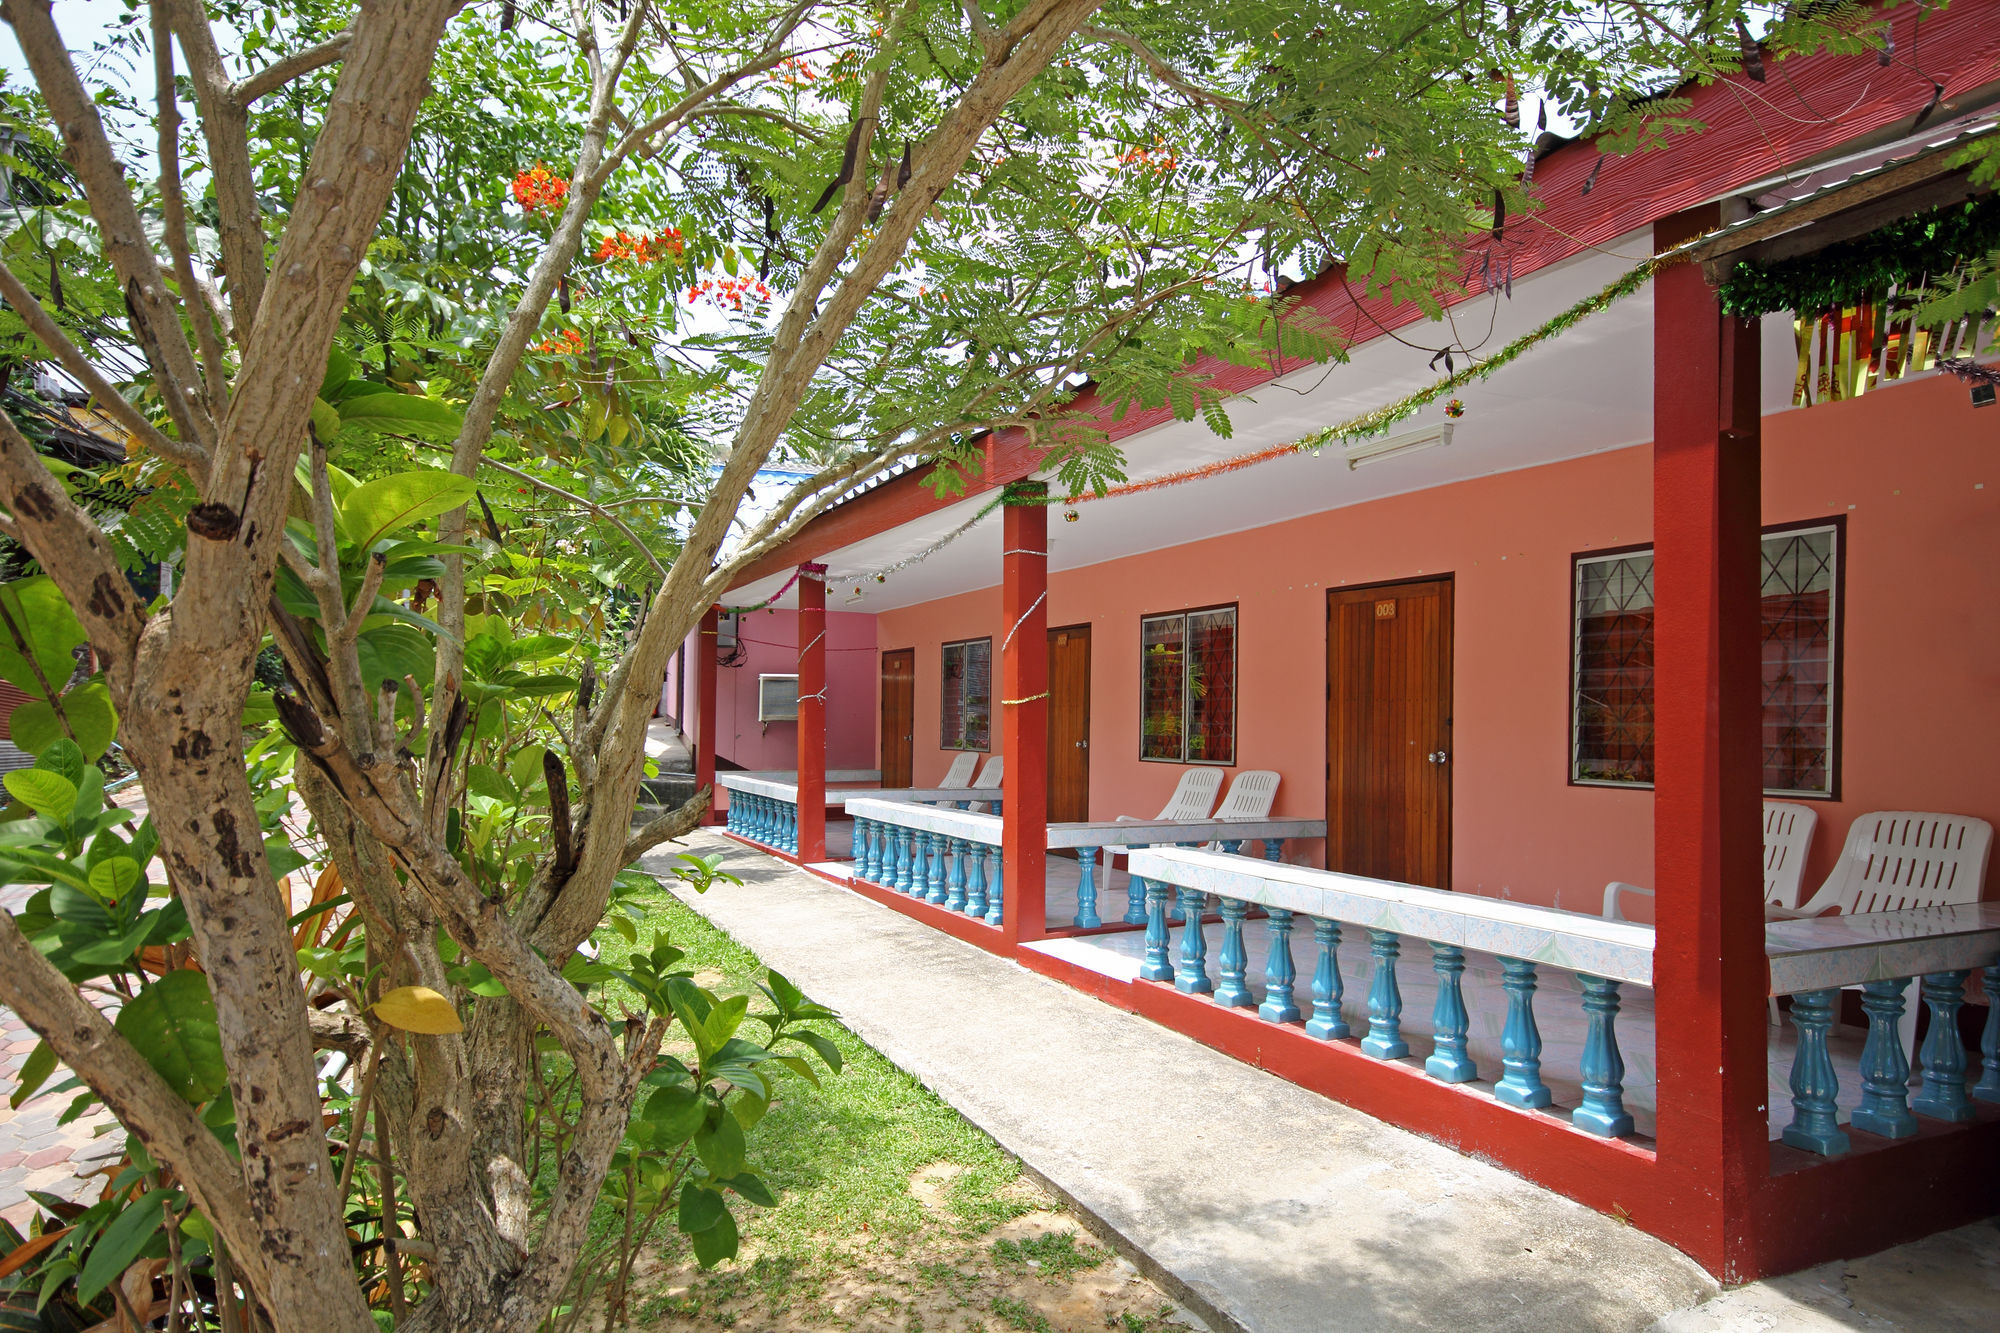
(966, 708)
(1187, 687)
(1611, 719)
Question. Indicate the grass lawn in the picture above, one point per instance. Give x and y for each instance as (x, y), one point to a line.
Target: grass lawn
(894, 1212)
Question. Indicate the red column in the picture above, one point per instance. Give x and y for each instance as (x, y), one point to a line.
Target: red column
(812, 713)
(1024, 709)
(1709, 971)
(704, 705)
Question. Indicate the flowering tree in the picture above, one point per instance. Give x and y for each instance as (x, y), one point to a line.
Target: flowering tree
(847, 237)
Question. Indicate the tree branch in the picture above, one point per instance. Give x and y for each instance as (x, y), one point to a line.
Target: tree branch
(597, 509)
(185, 453)
(140, 1098)
(682, 819)
(156, 323)
(71, 549)
(283, 70)
(173, 209)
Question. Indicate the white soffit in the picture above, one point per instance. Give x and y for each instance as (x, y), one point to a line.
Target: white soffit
(1586, 391)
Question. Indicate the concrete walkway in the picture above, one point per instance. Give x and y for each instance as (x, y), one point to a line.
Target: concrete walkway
(1262, 1206)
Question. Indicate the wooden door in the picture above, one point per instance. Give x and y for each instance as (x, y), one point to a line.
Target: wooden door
(1069, 724)
(1388, 732)
(899, 710)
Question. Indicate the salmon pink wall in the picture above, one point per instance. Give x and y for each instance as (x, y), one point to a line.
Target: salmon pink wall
(770, 644)
(1914, 469)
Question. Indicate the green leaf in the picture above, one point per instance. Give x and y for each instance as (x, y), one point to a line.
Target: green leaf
(42, 616)
(751, 1188)
(717, 1243)
(824, 1045)
(701, 1208)
(114, 878)
(675, 1113)
(388, 504)
(65, 758)
(403, 414)
(89, 711)
(35, 1071)
(120, 1243)
(325, 421)
(721, 1147)
(50, 795)
(172, 1023)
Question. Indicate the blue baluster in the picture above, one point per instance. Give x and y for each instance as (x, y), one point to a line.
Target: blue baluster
(792, 827)
(901, 880)
(1885, 1070)
(1603, 1109)
(1278, 1006)
(749, 802)
(1157, 967)
(1086, 917)
(1448, 1062)
(1943, 1094)
(1274, 849)
(1988, 1087)
(934, 860)
(877, 835)
(996, 891)
(1326, 1022)
(1385, 1001)
(975, 880)
(1233, 993)
(1815, 1087)
(1231, 846)
(1135, 894)
(954, 878)
(729, 815)
(857, 847)
(920, 861)
(1192, 978)
(766, 822)
(1520, 1041)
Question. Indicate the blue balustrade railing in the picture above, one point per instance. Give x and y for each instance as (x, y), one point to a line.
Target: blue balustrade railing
(930, 851)
(1930, 955)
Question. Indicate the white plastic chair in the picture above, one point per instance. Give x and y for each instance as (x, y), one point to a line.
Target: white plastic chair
(1251, 796)
(1788, 835)
(1895, 860)
(989, 780)
(1899, 859)
(960, 772)
(1193, 798)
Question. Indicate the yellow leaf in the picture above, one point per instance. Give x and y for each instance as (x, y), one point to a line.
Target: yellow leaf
(418, 1009)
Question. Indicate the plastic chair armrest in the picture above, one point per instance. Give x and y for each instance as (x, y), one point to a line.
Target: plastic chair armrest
(1612, 892)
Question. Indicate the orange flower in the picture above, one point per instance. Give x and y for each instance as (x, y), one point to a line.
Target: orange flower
(644, 249)
(567, 343)
(538, 189)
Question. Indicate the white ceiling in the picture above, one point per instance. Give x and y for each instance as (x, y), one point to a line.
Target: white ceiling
(1587, 391)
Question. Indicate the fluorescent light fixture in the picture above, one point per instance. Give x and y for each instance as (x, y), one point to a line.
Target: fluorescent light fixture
(1368, 451)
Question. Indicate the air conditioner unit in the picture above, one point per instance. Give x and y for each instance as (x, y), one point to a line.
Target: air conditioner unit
(778, 698)
(1369, 451)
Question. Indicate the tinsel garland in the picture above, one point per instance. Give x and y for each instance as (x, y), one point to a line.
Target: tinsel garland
(1902, 255)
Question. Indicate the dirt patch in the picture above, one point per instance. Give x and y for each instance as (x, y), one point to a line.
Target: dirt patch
(1039, 1272)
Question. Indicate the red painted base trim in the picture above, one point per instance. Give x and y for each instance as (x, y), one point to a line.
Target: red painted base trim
(1807, 1211)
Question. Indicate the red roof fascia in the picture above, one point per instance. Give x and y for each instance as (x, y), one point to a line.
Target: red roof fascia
(1811, 107)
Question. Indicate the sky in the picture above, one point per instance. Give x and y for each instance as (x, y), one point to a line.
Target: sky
(82, 23)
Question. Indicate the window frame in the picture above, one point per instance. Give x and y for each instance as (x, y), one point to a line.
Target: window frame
(1836, 664)
(945, 742)
(1235, 666)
